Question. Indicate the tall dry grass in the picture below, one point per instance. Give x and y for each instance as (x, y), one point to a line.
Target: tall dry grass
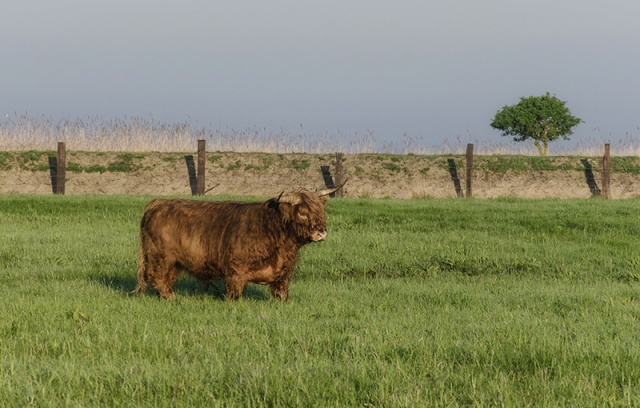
(135, 134)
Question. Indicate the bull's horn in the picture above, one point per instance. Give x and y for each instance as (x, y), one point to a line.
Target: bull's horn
(330, 190)
(289, 199)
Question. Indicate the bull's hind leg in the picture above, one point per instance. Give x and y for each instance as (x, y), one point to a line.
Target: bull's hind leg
(143, 276)
(164, 275)
(165, 291)
(141, 285)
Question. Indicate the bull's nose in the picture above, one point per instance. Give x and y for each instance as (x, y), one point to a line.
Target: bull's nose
(320, 236)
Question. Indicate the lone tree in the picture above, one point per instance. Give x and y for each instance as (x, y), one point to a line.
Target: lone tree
(541, 118)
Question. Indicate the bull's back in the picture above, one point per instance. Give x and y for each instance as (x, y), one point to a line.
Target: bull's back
(194, 217)
(195, 232)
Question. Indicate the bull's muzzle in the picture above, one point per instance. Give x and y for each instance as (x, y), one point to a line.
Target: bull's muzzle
(319, 236)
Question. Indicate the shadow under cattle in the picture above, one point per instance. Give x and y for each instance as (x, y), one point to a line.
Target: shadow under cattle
(185, 286)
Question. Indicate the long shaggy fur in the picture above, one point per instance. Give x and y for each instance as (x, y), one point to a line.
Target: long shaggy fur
(233, 241)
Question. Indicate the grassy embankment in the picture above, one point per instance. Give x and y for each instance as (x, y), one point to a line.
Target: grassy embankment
(408, 303)
(37, 160)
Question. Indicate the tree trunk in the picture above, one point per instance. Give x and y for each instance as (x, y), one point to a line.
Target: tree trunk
(541, 151)
(542, 148)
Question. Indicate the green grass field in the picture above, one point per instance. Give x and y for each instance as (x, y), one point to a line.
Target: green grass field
(408, 303)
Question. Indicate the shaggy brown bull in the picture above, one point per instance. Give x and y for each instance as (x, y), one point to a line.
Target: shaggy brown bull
(234, 241)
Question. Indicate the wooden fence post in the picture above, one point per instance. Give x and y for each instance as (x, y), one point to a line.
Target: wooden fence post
(202, 157)
(606, 172)
(469, 169)
(61, 162)
(339, 177)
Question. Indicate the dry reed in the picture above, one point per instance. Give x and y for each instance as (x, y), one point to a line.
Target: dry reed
(135, 134)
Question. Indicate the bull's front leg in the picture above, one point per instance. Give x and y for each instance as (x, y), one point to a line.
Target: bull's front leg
(280, 288)
(234, 286)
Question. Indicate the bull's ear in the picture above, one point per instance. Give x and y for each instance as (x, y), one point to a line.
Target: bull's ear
(273, 202)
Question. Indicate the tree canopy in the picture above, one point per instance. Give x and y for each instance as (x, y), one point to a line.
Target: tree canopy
(541, 118)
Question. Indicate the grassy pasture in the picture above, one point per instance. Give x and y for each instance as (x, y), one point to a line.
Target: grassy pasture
(408, 303)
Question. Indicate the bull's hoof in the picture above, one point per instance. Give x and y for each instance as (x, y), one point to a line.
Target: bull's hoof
(167, 295)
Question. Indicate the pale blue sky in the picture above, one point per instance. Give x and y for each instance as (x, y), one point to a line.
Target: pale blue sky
(433, 70)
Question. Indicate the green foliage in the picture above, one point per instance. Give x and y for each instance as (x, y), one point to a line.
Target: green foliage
(391, 167)
(518, 164)
(120, 167)
(540, 118)
(30, 156)
(543, 164)
(214, 158)
(125, 164)
(130, 156)
(501, 164)
(74, 167)
(459, 164)
(34, 160)
(409, 303)
(267, 162)
(630, 165)
(95, 168)
(5, 157)
(300, 164)
(235, 166)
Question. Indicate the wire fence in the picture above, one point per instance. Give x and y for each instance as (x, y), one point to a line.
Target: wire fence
(370, 175)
